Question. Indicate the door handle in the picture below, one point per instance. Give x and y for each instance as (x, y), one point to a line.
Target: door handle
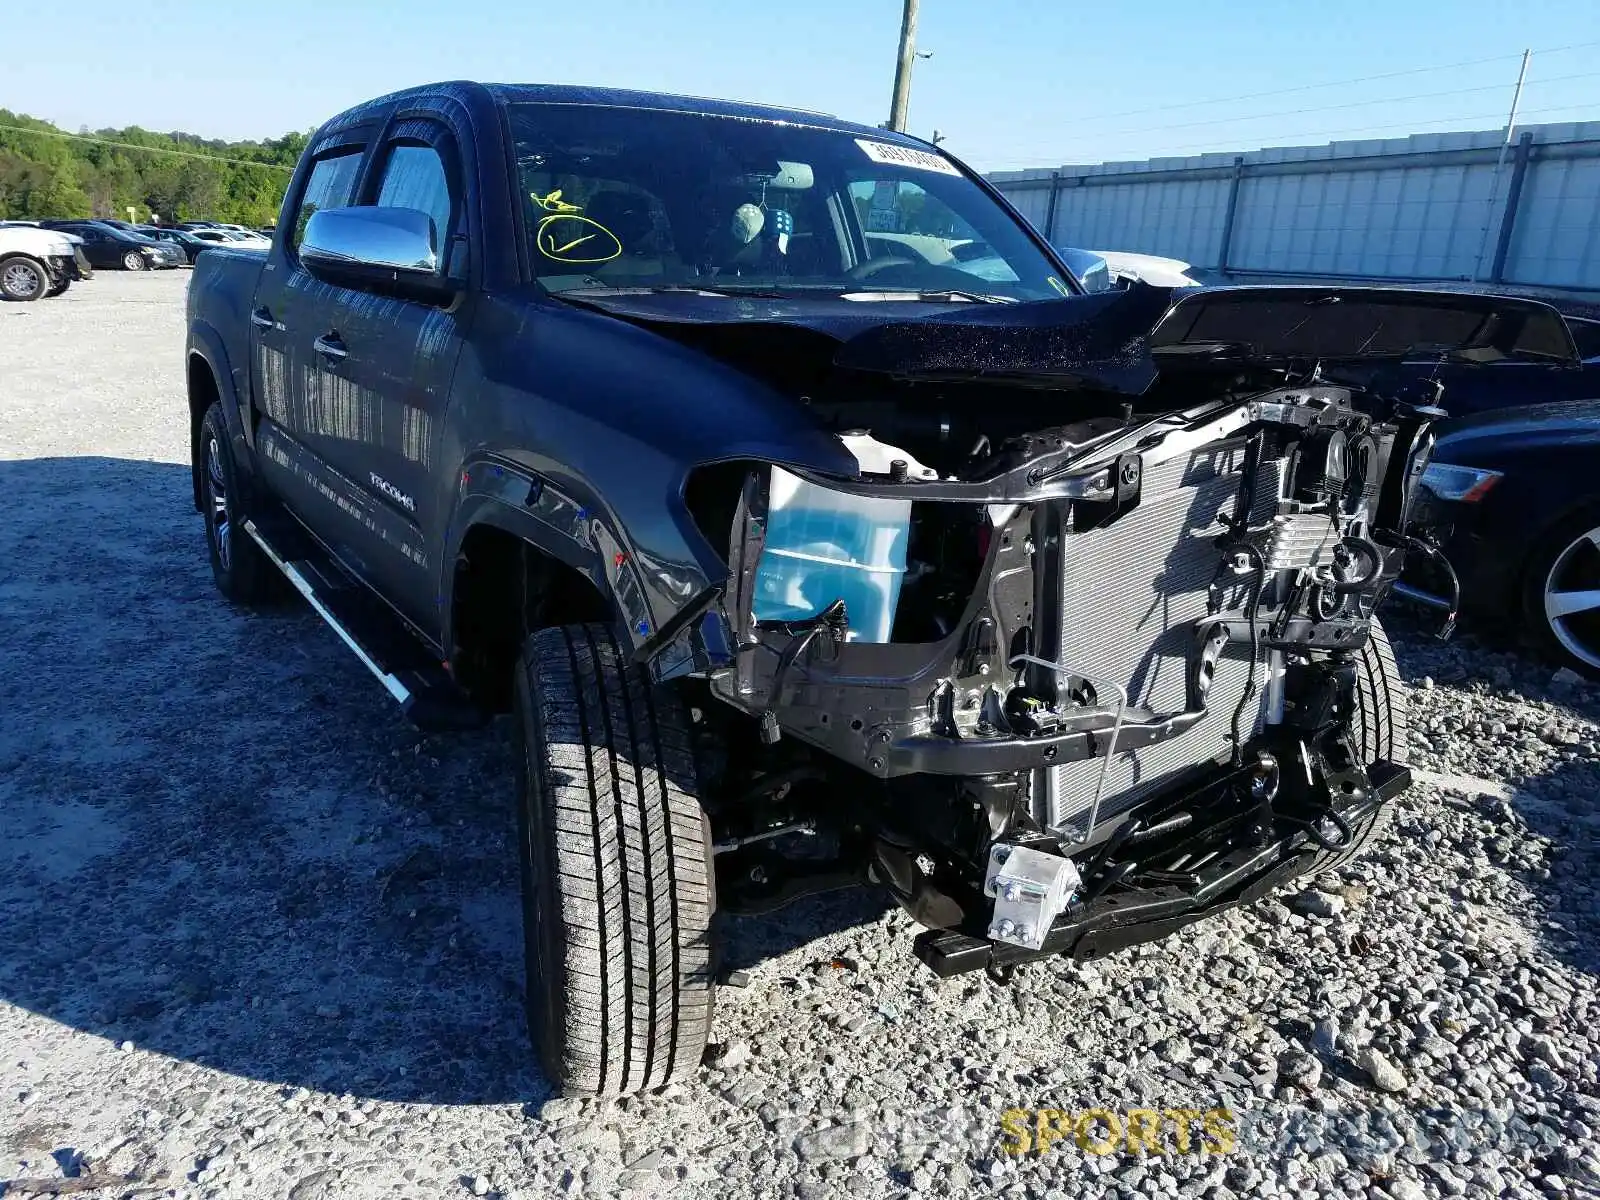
(331, 346)
(262, 319)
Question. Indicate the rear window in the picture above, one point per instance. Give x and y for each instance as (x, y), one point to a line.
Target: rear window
(1587, 336)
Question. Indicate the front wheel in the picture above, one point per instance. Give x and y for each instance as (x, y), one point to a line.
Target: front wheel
(616, 869)
(1561, 592)
(1381, 733)
(23, 279)
(133, 261)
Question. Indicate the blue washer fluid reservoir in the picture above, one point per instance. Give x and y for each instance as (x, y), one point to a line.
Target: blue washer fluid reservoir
(824, 545)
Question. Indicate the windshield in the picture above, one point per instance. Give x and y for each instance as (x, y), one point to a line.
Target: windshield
(629, 198)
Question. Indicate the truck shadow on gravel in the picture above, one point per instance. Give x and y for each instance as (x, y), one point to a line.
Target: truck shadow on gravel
(225, 846)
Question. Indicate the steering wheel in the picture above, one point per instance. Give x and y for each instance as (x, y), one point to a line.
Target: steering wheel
(873, 265)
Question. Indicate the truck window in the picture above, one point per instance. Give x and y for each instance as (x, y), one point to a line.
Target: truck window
(898, 216)
(331, 184)
(415, 177)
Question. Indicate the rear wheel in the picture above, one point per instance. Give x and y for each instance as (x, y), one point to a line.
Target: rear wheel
(616, 869)
(242, 571)
(1381, 733)
(23, 278)
(133, 261)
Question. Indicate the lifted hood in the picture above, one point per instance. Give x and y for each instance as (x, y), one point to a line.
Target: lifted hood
(1119, 340)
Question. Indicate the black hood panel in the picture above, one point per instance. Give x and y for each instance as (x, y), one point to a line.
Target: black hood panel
(1115, 340)
(1354, 324)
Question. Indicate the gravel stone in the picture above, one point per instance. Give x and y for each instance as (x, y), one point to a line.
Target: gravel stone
(1384, 1074)
(1318, 904)
(1299, 1069)
(838, 1141)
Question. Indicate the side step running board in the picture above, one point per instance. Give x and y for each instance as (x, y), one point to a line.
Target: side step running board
(425, 692)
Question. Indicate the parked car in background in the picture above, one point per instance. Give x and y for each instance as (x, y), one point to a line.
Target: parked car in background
(1513, 498)
(233, 238)
(1126, 267)
(35, 262)
(107, 245)
(181, 238)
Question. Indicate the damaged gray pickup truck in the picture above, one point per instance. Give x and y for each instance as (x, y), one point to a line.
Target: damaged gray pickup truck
(816, 528)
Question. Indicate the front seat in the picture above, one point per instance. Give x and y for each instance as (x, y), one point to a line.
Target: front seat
(628, 216)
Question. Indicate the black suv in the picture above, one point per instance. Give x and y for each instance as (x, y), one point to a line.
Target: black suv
(816, 528)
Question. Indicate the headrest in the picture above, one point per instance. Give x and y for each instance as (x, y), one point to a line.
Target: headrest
(627, 215)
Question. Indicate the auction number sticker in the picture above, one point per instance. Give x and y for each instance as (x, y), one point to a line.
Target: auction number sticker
(905, 156)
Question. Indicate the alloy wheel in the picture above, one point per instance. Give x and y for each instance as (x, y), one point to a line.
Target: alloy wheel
(1572, 597)
(217, 505)
(20, 280)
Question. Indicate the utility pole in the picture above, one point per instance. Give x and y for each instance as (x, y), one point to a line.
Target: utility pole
(1499, 165)
(902, 70)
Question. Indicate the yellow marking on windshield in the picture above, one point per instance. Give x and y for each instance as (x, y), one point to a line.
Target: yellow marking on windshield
(559, 234)
(553, 203)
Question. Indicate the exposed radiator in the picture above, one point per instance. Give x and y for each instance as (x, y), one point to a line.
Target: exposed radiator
(1131, 594)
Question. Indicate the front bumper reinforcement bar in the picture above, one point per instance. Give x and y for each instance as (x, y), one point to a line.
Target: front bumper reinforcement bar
(1125, 918)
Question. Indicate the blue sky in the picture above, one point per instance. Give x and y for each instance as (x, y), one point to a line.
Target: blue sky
(1011, 83)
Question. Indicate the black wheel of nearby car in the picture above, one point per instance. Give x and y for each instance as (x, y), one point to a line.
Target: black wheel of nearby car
(242, 571)
(23, 278)
(618, 889)
(1382, 732)
(133, 261)
(59, 287)
(1561, 591)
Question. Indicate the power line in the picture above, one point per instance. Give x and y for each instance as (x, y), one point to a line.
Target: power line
(83, 137)
(1310, 87)
(1297, 112)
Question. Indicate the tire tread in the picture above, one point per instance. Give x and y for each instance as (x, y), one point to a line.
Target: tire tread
(633, 894)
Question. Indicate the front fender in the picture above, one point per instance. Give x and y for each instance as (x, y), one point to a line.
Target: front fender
(649, 594)
(580, 435)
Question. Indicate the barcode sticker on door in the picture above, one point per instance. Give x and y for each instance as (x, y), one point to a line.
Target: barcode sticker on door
(905, 156)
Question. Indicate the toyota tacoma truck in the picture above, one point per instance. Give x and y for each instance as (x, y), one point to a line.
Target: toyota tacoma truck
(816, 527)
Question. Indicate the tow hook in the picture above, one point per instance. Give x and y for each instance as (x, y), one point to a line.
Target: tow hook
(1031, 889)
(1264, 781)
(1313, 830)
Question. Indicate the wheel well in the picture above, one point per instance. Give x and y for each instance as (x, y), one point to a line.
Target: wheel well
(203, 394)
(504, 588)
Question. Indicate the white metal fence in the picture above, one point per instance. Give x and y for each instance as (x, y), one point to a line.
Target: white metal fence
(1427, 207)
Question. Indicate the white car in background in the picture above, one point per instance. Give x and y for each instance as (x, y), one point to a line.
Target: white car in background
(1148, 268)
(35, 263)
(236, 239)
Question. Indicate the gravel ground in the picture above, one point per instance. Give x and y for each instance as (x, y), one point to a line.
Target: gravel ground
(258, 938)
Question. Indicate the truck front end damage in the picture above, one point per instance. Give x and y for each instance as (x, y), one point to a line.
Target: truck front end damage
(1132, 675)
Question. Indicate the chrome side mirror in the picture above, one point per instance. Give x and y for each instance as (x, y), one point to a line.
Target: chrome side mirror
(393, 249)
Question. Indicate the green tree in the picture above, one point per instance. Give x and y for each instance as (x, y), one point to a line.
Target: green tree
(45, 173)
